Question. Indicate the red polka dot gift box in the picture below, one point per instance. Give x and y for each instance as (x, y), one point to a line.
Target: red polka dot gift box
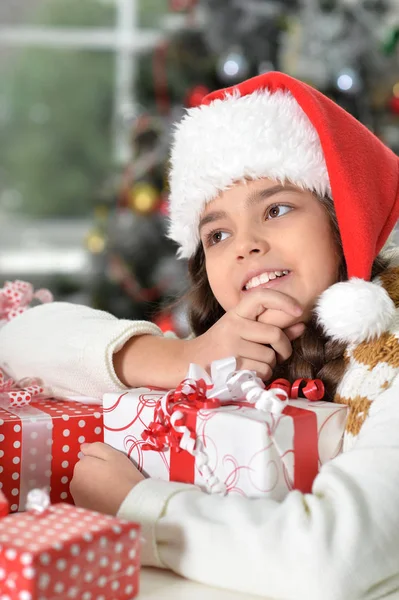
(68, 553)
(4, 508)
(40, 445)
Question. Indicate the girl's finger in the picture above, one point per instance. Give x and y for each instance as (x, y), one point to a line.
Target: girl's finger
(262, 370)
(255, 303)
(258, 353)
(98, 450)
(270, 335)
(295, 331)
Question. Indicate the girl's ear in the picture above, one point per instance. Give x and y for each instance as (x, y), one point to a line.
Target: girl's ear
(355, 311)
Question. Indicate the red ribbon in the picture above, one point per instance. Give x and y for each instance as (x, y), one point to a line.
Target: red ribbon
(190, 395)
(306, 450)
(312, 389)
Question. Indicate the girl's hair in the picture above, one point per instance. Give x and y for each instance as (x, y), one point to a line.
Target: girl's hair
(314, 356)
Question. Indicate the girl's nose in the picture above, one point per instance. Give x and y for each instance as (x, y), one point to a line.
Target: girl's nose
(250, 246)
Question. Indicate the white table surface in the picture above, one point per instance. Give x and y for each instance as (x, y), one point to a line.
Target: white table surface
(157, 584)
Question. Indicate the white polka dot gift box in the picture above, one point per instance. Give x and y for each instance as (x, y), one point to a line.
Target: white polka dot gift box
(40, 445)
(68, 553)
(228, 434)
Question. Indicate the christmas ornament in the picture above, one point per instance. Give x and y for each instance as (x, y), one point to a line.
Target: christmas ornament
(181, 5)
(233, 66)
(196, 95)
(96, 241)
(394, 100)
(143, 198)
(348, 80)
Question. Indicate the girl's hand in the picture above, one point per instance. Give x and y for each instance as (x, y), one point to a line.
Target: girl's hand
(249, 333)
(103, 478)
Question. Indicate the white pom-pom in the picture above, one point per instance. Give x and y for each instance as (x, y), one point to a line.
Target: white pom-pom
(355, 311)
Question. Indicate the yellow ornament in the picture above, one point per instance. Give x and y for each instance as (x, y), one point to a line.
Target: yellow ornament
(143, 198)
(95, 242)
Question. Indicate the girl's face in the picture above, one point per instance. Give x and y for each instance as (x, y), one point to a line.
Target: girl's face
(264, 234)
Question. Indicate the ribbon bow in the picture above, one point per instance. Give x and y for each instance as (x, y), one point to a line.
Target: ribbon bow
(37, 501)
(199, 391)
(22, 392)
(16, 296)
(312, 389)
(165, 430)
(225, 386)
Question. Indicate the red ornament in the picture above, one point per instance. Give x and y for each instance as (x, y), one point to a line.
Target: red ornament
(394, 105)
(165, 322)
(181, 5)
(196, 96)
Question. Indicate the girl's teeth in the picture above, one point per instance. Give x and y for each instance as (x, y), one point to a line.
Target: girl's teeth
(264, 278)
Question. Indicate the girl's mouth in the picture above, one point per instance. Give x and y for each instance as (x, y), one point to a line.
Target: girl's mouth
(268, 277)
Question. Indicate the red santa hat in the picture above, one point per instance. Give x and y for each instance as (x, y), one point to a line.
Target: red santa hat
(277, 127)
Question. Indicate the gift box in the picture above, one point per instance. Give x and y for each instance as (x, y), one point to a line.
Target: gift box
(68, 552)
(230, 447)
(4, 508)
(40, 445)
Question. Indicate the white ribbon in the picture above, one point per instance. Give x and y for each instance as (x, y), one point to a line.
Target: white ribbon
(36, 441)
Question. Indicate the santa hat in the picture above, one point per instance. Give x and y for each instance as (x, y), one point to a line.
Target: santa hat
(277, 127)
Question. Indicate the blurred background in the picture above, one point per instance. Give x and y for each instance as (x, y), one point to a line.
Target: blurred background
(89, 90)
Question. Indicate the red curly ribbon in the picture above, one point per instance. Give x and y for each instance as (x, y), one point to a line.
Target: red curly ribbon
(312, 389)
(191, 396)
(160, 434)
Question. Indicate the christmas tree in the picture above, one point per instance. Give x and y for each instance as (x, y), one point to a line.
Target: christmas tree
(347, 50)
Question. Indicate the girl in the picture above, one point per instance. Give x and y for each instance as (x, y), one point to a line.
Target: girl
(282, 202)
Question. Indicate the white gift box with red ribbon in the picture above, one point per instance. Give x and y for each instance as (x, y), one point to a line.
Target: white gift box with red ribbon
(227, 433)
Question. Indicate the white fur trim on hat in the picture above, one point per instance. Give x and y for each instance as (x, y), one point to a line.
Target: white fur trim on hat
(262, 134)
(355, 311)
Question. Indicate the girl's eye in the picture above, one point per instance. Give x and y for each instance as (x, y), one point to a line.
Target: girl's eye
(214, 237)
(277, 210)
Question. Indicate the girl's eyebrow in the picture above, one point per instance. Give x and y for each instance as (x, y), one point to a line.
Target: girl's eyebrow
(260, 195)
(212, 216)
(253, 198)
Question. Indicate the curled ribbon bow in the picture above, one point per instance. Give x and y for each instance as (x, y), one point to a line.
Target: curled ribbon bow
(16, 297)
(37, 501)
(312, 389)
(199, 391)
(165, 430)
(226, 385)
(22, 392)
